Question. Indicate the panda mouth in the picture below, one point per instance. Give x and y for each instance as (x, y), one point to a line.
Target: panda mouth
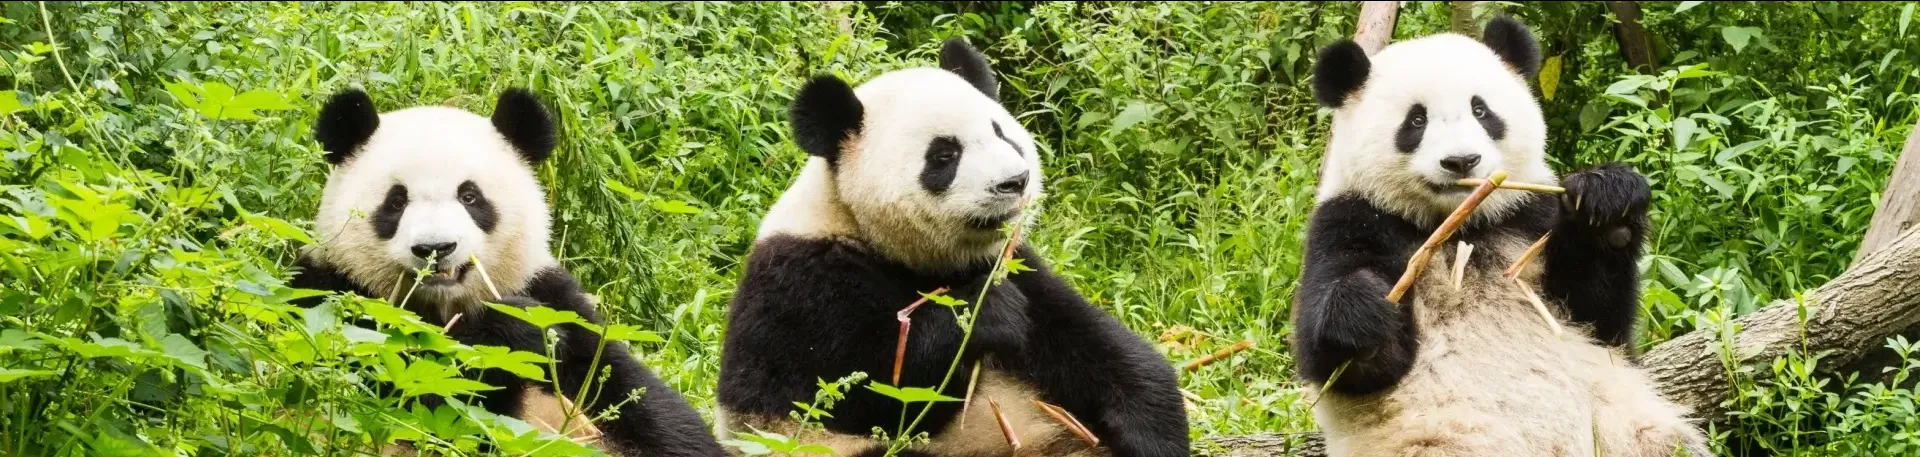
(447, 277)
(991, 222)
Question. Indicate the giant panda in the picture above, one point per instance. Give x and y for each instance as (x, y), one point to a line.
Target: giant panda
(1469, 369)
(428, 187)
(909, 180)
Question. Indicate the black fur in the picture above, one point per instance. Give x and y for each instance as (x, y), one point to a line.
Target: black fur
(1592, 258)
(1003, 137)
(386, 218)
(660, 423)
(525, 122)
(942, 164)
(345, 123)
(812, 309)
(481, 209)
(825, 114)
(1413, 129)
(1339, 72)
(962, 59)
(1514, 43)
(1489, 120)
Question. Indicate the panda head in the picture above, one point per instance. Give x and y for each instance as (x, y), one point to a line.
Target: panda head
(922, 164)
(1419, 115)
(430, 187)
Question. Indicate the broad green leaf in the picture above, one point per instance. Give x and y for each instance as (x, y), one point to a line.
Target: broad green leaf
(179, 348)
(624, 332)
(616, 186)
(184, 93)
(11, 339)
(1135, 113)
(425, 377)
(393, 316)
(1726, 157)
(909, 394)
(674, 207)
(1549, 77)
(1739, 36)
(1683, 131)
(1628, 84)
(1686, 6)
(257, 99)
(521, 363)
(1906, 15)
(320, 319)
(944, 300)
(10, 374)
(543, 317)
(10, 102)
(277, 227)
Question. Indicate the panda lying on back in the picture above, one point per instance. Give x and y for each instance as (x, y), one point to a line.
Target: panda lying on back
(911, 177)
(1469, 369)
(433, 185)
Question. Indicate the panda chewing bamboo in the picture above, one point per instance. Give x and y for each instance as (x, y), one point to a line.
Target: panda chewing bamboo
(910, 179)
(1467, 368)
(444, 190)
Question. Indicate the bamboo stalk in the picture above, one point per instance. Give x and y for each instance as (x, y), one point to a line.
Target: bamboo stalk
(1460, 257)
(973, 381)
(1218, 355)
(906, 323)
(1067, 420)
(1540, 307)
(484, 276)
(1530, 187)
(1527, 257)
(1006, 428)
(1418, 264)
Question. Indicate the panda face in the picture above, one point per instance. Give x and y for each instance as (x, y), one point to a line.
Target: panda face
(923, 164)
(1416, 117)
(432, 189)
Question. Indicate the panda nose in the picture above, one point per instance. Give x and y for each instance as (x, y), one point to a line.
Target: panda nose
(433, 250)
(1460, 164)
(1012, 185)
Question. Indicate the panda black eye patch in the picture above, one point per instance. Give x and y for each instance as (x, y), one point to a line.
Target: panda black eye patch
(1412, 129)
(1496, 128)
(482, 211)
(386, 218)
(1003, 137)
(943, 162)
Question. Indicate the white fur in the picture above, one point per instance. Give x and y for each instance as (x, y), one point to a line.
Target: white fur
(431, 150)
(1442, 72)
(875, 196)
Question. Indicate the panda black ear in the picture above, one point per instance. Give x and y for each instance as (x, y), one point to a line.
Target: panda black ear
(1340, 71)
(345, 123)
(824, 115)
(1514, 43)
(524, 121)
(961, 58)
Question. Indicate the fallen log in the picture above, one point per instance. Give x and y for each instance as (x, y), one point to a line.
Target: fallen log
(1846, 318)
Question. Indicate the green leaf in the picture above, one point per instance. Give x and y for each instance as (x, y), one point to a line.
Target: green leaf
(1135, 113)
(1628, 84)
(277, 227)
(521, 363)
(10, 102)
(1906, 15)
(909, 394)
(1739, 36)
(392, 316)
(10, 374)
(616, 186)
(674, 207)
(1593, 115)
(11, 339)
(624, 332)
(543, 317)
(256, 100)
(944, 300)
(425, 377)
(184, 93)
(179, 348)
(1549, 77)
(1686, 6)
(1683, 131)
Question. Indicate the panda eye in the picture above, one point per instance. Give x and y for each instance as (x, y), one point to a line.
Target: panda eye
(1480, 108)
(1418, 120)
(946, 156)
(468, 198)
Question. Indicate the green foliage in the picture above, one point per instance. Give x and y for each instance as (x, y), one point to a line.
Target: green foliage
(157, 176)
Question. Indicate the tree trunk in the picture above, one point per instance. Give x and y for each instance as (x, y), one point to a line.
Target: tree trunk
(1899, 203)
(1375, 27)
(1463, 22)
(1848, 317)
(1635, 45)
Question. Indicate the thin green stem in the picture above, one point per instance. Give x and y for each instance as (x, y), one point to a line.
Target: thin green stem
(46, 21)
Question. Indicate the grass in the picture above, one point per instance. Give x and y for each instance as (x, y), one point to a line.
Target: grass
(144, 206)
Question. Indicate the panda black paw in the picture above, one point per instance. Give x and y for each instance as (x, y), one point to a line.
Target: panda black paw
(1610, 200)
(1361, 342)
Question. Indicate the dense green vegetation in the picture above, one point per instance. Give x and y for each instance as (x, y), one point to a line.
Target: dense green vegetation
(157, 175)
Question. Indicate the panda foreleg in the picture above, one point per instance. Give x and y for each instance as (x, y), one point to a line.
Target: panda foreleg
(658, 423)
(1345, 332)
(1089, 363)
(1592, 257)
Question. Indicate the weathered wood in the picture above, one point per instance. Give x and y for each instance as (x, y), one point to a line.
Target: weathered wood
(1635, 45)
(1845, 318)
(1375, 28)
(1463, 22)
(1899, 203)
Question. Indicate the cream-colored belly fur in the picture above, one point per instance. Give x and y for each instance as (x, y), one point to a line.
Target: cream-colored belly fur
(977, 434)
(1491, 378)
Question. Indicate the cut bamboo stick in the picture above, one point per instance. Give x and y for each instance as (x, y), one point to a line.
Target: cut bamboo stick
(1460, 257)
(1527, 257)
(1540, 307)
(1067, 421)
(1418, 264)
(1218, 355)
(906, 324)
(1006, 428)
(1475, 182)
